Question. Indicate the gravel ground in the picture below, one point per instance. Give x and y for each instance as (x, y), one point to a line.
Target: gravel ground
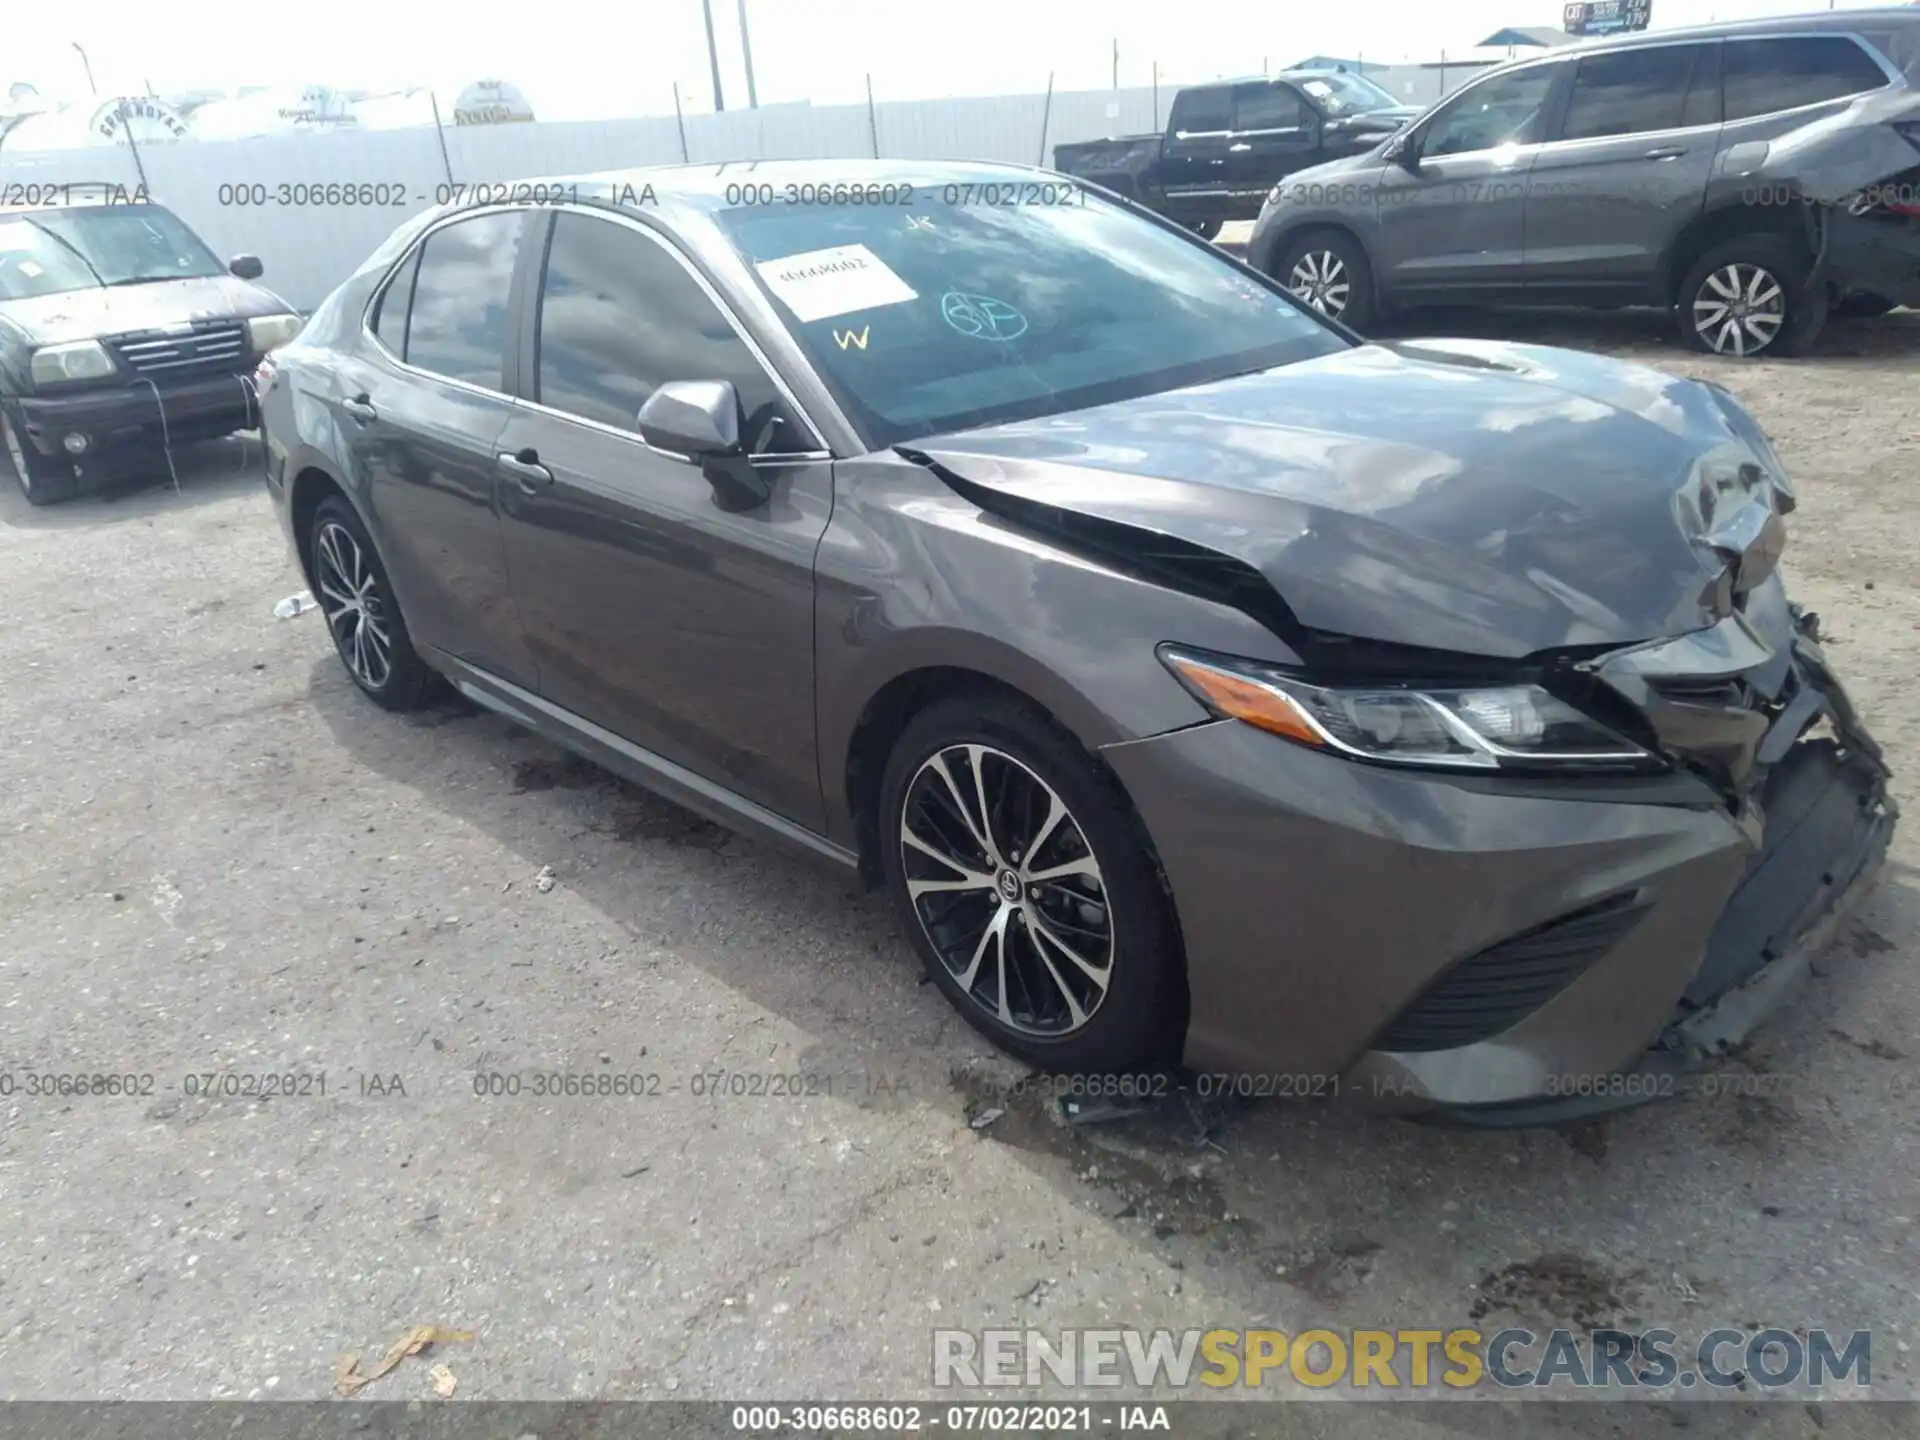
(218, 858)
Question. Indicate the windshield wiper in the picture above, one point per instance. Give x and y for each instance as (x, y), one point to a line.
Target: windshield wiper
(66, 244)
(150, 279)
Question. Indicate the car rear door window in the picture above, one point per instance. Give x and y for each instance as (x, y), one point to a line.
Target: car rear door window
(389, 318)
(457, 326)
(620, 316)
(1766, 76)
(1631, 91)
(1505, 110)
(1267, 107)
(1206, 109)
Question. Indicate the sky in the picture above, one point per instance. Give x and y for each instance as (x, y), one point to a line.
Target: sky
(586, 59)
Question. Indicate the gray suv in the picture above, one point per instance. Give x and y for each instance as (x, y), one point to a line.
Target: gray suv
(1752, 177)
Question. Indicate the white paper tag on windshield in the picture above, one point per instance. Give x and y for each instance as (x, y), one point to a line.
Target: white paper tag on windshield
(834, 281)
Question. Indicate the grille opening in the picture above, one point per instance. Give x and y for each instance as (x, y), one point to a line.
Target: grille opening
(213, 347)
(1494, 989)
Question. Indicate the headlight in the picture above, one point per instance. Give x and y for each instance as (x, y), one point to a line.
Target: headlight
(77, 360)
(270, 332)
(1477, 728)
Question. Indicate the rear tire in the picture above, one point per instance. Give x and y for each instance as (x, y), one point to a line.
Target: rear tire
(1747, 297)
(42, 479)
(362, 615)
(1327, 270)
(1052, 889)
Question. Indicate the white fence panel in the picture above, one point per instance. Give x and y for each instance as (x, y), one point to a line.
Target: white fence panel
(258, 196)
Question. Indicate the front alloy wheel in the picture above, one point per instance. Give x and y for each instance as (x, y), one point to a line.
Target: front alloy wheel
(1007, 890)
(1320, 279)
(1030, 888)
(1739, 309)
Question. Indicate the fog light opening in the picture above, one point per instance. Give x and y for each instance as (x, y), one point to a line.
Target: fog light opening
(76, 443)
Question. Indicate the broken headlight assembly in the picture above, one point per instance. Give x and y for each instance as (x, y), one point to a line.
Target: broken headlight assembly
(1481, 727)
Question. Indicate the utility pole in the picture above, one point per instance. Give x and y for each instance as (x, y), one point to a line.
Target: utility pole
(713, 58)
(746, 54)
(1116, 62)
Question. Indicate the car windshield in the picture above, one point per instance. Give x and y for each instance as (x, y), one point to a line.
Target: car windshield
(44, 252)
(964, 310)
(1341, 92)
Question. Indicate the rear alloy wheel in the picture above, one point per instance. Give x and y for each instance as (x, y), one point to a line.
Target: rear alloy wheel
(41, 480)
(1027, 890)
(1327, 271)
(1749, 297)
(356, 600)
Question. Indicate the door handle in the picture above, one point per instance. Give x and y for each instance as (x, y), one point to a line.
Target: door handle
(361, 408)
(525, 467)
(1666, 152)
(1239, 146)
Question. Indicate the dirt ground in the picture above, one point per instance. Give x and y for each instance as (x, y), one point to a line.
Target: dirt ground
(218, 859)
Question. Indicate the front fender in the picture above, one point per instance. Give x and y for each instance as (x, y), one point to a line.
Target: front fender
(911, 577)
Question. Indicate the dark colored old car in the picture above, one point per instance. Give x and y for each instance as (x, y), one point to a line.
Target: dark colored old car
(1228, 143)
(1201, 681)
(120, 336)
(1753, 177)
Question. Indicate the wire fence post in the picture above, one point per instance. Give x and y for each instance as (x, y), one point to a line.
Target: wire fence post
(139, 165)
(873, 122)
(446, 160)
(1156, 94)
(1046, 117)
(680, 119)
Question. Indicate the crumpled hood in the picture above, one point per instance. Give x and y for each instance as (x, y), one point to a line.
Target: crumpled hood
(1458, 495)
(92, 313)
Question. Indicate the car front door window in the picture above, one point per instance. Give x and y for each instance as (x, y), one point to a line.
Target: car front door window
(620, 316)
(1505, 110)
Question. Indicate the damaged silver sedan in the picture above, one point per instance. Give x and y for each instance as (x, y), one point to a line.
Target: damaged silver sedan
(1204, 684)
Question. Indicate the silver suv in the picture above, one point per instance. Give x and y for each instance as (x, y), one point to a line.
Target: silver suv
(1752, 177)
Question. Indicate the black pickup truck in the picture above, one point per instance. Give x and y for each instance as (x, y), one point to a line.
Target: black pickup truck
(1227, 144)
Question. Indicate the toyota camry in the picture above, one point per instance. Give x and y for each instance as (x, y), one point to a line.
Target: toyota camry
(1205, 683)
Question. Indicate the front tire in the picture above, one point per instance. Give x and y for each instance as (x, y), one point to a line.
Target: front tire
(1748, 297)
(1328, 271)
(43, 480)
(363, 616)
(1022, 876)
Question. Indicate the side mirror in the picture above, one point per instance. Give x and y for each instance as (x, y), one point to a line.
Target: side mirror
(1403, 150)
(246, 267)
(693, 419)
(698, 421)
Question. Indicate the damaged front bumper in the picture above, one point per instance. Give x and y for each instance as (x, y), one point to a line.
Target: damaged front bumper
(1819, 809)
(1504, 951)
